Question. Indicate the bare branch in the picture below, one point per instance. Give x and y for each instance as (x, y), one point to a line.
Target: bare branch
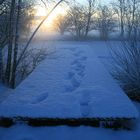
(34, 33)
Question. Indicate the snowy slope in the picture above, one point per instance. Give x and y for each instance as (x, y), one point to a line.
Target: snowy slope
(71, 83)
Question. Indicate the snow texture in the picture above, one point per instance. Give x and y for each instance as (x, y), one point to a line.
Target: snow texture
(70, 83)
(4, 92)
(24, 132)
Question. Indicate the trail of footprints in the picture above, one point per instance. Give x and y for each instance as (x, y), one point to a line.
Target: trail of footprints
(75, 77)
(77, 70)
(85, 106)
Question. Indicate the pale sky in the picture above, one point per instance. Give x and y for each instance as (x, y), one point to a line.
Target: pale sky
(100, 1)
(106, 1)
(41, 11)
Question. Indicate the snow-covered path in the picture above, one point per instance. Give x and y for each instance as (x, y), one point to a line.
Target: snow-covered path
(70, 83)
(25, 96)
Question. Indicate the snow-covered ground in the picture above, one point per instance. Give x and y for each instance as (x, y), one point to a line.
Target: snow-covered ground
(24, 132)
(81, 84)
(70, 83)
(4, 92)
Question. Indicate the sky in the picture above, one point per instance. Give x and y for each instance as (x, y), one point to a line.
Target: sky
(42, 12)
(100, 1)
(59, 10)
(106, 1)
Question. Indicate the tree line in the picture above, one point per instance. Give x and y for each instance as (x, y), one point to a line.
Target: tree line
(122, 16)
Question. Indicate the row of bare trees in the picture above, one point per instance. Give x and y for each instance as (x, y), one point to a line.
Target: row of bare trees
(122, 16)
(128, 12)
(77, 20)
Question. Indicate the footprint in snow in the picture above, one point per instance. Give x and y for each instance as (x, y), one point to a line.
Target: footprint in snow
(81, 73)
(85, 110)
(75, 62)
(84, 101)
(79, 53)
(83, 58)
(70, 75)
(79, 60)
(80, 68)
(75, 82)
(40, 98)
(69, 88)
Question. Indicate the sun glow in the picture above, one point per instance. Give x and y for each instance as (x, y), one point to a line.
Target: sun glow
(42, 12)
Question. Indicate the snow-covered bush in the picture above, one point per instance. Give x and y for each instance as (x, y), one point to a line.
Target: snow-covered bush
(127, 68)
(31, 59)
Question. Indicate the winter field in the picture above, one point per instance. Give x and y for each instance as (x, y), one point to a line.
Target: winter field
(72, 82)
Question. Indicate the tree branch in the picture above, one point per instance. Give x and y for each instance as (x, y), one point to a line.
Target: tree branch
(32, 36)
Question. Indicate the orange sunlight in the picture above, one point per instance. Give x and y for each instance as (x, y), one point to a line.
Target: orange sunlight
(41, 12)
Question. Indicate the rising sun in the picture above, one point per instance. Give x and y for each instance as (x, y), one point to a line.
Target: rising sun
(42, 12)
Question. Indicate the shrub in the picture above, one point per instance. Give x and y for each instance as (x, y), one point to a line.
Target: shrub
(126, 62)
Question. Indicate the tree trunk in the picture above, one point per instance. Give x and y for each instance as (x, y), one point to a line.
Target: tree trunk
(88, 18)
(122, 8)
(122, 27)
(10, 43)
(14, 66)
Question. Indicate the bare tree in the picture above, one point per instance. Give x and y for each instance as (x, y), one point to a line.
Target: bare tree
(3, 34)
(15, 52)
(62, 23)
(16, 11)
(81, 17)
(78, 19)
(132, 11)
(17, 60)
(24, 12)
(106, 22)
(9, 32)
(119, 7)
(138, 22)
(90, 12)
(128, 11)
(10, 43)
